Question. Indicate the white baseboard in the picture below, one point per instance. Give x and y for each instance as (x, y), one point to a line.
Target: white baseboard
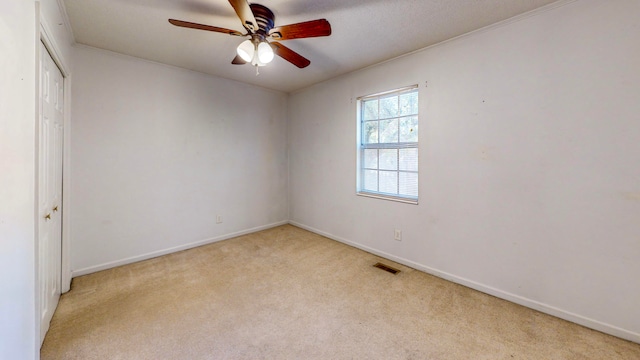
(532, 304)
(133, 259)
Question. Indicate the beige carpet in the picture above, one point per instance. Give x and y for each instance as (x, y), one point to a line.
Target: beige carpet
(285, 293)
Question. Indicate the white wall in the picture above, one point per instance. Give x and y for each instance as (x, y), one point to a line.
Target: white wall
(529, 163)
(17, 172)
(158, 152)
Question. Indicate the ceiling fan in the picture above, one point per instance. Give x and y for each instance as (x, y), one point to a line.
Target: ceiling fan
(259, 23)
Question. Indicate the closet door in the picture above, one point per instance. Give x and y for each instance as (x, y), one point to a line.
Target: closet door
(50, 187)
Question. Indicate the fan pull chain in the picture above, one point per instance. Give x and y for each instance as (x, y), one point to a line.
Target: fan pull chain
(257, 71)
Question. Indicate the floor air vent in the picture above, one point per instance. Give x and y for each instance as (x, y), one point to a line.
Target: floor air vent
(386, 268)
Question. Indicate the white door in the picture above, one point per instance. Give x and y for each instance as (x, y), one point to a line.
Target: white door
(50, 187)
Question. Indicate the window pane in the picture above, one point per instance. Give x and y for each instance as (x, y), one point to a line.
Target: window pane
(389, 107)
(370, 180)
(389, 131)
(409, 103)
(409, 129)
(370, 110)
(389, 182)
(408, 159)
(370, 132)
(388, 139)
(408, 184)
(388, 159)
(371, 158)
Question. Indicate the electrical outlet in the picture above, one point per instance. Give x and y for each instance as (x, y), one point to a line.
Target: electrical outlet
(397, 235)
(218, 219)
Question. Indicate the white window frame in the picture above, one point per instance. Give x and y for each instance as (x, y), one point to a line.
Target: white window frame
(361, 146)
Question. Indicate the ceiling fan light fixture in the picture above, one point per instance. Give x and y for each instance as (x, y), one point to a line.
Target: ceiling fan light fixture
(246, 50)
(265, 53)
(258, 21)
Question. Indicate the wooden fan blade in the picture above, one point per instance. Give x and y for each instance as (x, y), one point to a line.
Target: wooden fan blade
(245, 14)
(313, 28)
(205, 27)
(290, 55)
(238, 60)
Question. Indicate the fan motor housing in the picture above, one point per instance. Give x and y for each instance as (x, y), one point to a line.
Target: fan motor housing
(264, 18)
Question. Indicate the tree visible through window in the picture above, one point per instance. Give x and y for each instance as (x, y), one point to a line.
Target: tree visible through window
(388, 144)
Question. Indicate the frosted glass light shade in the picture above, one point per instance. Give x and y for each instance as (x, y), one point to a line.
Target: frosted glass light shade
(265, 53)
(246, 50)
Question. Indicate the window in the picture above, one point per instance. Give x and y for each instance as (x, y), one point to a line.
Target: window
(388, 145)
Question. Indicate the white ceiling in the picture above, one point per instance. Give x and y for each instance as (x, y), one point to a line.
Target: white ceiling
(364, 32)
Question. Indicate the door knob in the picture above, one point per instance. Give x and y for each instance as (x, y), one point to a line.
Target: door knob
(55, 208)
(47, 217)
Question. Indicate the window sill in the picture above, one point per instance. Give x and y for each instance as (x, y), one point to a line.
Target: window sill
(388, 197)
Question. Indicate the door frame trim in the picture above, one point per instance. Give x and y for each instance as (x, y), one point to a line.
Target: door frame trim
(47, 38)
